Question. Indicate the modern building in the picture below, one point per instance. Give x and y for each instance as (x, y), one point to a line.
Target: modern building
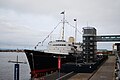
(89, 44)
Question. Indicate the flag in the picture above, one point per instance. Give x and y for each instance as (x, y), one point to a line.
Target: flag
(75, 19)
(62, 12)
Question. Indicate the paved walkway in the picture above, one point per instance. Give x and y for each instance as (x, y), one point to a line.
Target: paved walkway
(81, 76)
(105, 72)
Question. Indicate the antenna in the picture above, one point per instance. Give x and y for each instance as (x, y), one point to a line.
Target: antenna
(87, 23)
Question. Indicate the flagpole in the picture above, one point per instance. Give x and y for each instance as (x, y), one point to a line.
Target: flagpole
(63, 21)
(75, 29)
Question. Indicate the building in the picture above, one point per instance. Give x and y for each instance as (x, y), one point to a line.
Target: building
(89, 44)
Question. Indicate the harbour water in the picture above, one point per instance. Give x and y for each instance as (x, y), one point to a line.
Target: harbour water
(7, 69)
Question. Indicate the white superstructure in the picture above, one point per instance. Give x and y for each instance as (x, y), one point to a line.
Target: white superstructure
(61, 46)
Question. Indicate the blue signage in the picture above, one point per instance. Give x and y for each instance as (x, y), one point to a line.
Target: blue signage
(16, 72)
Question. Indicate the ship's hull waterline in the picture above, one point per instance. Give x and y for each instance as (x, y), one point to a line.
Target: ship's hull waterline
(41, 62)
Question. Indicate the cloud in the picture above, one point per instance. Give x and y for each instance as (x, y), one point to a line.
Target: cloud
(12, 33)
(51, 6)
(34, 18)
(36, 6)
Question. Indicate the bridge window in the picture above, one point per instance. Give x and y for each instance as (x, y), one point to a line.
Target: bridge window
(69, 45)
(63, 45)
(60, 40)
(59, 44)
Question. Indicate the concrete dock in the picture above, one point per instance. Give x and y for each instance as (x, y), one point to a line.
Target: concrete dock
(105, 72)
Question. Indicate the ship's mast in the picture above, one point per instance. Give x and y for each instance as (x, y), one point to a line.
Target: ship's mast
(75, 29)
(63, 21)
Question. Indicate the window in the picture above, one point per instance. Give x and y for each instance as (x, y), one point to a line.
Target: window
(84, 38)
(91, 56)
(83, 43)
(91, 47)
(69, 45)
(83, 47)
(84, 52)
(91, 38)
(91, 43)
(91, 52)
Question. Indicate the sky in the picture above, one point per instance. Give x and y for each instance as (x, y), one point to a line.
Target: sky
(24, 23)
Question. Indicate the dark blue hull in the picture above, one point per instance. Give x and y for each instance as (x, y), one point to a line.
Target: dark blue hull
(42, 63)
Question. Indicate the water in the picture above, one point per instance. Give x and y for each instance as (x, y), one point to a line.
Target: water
(7, 69)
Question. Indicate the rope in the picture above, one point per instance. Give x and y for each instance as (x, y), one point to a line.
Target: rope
(53, 31)
(47, 36)
(73, 27)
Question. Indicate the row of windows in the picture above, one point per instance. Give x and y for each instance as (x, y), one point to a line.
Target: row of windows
(63, 45)
(89, 43)
(60, 40)
(89, 57)
(87, 53)
(90, 31)
(59, 44)
(88, 38)
(57, 49)
(95, 47)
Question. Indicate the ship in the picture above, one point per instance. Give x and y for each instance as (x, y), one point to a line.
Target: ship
(44, 62)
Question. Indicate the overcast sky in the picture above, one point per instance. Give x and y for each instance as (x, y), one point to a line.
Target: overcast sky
(23, 23)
